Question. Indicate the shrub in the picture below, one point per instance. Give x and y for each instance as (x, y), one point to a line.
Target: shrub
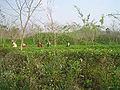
(65, 69)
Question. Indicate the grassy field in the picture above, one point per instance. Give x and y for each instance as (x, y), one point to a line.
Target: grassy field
(78, 67)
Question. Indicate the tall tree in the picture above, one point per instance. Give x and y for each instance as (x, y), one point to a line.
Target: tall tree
(51, 23)
(90, 27)
(3, 27)
(25, 10)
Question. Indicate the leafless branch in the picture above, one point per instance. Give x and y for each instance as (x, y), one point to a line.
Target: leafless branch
(11, 6)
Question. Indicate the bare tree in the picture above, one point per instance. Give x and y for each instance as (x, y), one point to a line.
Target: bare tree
(3, 27)
(25, 10)
(115, 27)
(90, 27)
(52, 26)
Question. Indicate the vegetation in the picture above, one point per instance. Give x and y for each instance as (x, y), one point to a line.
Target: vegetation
(65, 68)
(92, 62)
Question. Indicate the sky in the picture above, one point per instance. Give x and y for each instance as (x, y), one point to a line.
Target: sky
(64, 11)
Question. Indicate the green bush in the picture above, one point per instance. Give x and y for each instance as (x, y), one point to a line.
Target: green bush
(94, 68)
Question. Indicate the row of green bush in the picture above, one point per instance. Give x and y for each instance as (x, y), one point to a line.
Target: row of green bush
(62, 38)
(60, 69)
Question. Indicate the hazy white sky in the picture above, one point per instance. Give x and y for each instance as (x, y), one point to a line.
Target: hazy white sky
(64, 11)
